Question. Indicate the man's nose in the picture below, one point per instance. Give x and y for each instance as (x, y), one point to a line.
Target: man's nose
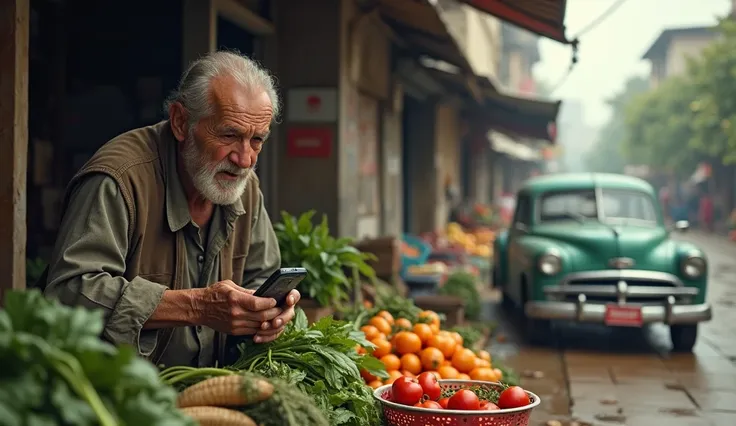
(244, 156)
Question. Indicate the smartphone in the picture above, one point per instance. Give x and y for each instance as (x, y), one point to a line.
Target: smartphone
(280, 283)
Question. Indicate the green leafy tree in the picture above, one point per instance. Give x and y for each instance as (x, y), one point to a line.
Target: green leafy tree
(714, 108)
(607, 155)
(658, 127)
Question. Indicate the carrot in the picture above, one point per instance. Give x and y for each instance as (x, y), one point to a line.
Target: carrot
(225, 391)
(216, 416)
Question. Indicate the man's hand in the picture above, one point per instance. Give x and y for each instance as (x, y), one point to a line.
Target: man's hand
(274, 328)
(229, 308)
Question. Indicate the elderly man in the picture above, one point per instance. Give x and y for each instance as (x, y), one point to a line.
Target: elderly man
(164, 229)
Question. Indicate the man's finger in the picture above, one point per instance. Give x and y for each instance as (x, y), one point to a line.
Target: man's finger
(293, 298)
(270, 332)
(283, 318)
(244, 331)
(245, 323)
(266, 339)
(262, 316)
(255, 304)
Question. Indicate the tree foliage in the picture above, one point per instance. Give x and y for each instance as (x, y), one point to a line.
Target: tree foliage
(689, 118)
(606, 154)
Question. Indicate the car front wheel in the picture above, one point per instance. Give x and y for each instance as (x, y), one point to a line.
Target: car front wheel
(683, 337)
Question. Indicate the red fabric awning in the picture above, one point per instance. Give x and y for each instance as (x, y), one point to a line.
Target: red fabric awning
(543, 17)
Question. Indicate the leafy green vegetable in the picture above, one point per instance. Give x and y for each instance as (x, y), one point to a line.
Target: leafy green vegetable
(323, 362)
(462, 284)
(324, 257)
(57, 371)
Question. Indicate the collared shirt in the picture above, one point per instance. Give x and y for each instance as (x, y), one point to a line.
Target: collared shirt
(90, 254)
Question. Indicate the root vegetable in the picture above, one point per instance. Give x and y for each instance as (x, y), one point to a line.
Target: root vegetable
(225, 391)
(218, 416)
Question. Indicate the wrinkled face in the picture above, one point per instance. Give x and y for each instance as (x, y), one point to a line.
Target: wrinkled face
(221, 151)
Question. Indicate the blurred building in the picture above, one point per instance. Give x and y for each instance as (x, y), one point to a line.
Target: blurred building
(669, 52)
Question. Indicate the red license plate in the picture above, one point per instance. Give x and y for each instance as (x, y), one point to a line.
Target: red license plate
(623, 316)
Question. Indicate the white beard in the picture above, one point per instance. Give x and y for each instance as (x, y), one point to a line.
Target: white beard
(203, 175)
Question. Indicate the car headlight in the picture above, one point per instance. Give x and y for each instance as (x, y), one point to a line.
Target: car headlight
(550, 263)
(693, 266)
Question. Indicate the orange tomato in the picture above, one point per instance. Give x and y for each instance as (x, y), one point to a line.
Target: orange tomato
(463, 376)
(368, 304)
(403, 324)
(387, 316)
(435, 328)
(391, 362)
(484, 374)
(359, 349)
(458, 338)
(392, 376)
(430, 317)
(383, 347)
(370, 331)
(484, 355)
(431, 358)
(482, 363)
(424, 331)
(498, 373)
(443, 343)
(411, 363)
(407, 342)
(375, 384)
(447, 362)
(448, 372)
(463, 360)
(407, 373)
(381, 324)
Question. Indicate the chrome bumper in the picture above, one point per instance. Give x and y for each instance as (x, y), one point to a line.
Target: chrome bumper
(672, 307)
(581, 311)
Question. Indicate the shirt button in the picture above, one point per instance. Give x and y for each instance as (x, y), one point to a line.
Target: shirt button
(200, 259)
(199, 329)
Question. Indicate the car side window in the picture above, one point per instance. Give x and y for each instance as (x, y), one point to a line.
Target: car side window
(523, 211)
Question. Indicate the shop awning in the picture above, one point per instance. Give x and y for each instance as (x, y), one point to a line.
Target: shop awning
(506, 145)
(521, 117)
(543, 17)
(419, 24)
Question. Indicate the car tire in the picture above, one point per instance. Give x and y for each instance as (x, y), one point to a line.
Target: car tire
(536, 331)
(683, 337)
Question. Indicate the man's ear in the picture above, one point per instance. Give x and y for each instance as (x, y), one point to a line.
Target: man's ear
(178, 120)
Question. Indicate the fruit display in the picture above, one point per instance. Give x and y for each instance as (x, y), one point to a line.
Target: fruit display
(408, 349)
(477, 243)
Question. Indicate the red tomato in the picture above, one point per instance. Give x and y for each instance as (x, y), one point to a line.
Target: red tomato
(430, 385)
(429, 404)
(406, 391)
(443, 402)
(488, 406)
(513, 397)
(463, 400)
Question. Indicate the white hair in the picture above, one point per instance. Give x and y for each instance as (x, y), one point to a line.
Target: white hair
(193, 92)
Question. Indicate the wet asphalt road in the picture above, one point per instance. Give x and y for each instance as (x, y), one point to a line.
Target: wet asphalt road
(611, 377)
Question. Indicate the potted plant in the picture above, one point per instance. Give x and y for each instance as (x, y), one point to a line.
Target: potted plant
(326, 260)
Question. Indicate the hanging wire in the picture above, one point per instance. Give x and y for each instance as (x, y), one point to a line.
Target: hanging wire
(591, 26)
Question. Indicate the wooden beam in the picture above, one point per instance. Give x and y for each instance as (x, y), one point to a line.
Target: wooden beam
(14, 34)
(239, 14)
(199, 27)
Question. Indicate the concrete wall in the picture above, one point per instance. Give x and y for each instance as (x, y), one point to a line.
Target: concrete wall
(683, 47)
(308, 183)
(447, 142)
(479, 36)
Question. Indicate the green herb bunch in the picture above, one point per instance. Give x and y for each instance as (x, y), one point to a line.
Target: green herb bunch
(462, 284)
(325, 258)
(323, 362)
(57, 371)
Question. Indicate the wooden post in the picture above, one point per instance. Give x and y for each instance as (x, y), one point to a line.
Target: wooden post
(14, 34)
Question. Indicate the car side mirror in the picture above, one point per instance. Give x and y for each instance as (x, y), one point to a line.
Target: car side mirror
(681, 226)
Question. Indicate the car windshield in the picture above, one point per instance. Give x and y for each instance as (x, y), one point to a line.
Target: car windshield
(616, 205)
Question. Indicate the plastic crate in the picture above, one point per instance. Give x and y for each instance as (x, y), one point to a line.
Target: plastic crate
(423, 247)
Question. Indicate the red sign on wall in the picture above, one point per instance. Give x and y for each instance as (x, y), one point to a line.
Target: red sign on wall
(314, 142)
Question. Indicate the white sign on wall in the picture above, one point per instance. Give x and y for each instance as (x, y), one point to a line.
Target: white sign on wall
(309, 105)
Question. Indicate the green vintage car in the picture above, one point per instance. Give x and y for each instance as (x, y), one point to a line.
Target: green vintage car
(594, 248)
